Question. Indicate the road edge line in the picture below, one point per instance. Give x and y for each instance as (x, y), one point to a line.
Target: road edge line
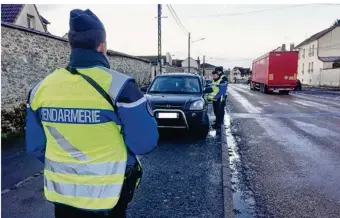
(226, 177)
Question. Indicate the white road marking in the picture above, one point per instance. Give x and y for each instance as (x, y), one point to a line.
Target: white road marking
(244, 102)
(323, 98)
(315, 130)
(281, 103)
(248, 92)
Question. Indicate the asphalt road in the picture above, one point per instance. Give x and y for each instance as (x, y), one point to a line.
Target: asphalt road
(288, 153)
(182, 178)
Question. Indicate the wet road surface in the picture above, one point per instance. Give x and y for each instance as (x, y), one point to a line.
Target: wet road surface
(182, 178)
(289, 151)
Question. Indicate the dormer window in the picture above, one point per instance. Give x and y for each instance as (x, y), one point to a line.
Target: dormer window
(30, 21)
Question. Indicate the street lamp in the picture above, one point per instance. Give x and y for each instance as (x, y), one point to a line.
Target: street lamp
(198, 40)
(189, 42)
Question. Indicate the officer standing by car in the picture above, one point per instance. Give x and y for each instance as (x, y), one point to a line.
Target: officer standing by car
(218, 97)
(224, 79)
(87, 123)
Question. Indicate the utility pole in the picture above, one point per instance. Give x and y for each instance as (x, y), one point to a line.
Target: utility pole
(159, 38)
(189, 53)
(203, 65)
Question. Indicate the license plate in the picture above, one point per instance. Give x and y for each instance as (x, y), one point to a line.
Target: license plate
(167, 115)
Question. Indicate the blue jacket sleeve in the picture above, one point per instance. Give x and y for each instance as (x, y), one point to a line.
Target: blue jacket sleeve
(222, 89)
(139, 126)
(35, 135)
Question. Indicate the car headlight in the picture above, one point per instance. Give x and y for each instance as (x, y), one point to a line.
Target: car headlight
(197, 105)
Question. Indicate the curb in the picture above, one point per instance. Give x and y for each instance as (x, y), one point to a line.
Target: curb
(226, 177)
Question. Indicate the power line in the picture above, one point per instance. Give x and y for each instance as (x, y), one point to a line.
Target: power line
(172, 14)
(264, 10)
(178, 18)
(178, 21)
(228, 60)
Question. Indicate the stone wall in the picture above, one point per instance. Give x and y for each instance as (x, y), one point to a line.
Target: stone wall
(27, 56)
(172, 69)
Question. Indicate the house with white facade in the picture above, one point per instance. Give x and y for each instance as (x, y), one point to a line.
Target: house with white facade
(25, 15)
(194, 65)
(239, 74)
(318, 57)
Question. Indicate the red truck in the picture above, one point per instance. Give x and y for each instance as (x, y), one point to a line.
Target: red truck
(275, 72)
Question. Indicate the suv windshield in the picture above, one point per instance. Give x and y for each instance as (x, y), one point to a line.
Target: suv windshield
(176, 84)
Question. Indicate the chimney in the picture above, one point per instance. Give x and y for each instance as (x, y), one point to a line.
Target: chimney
(283, 48)
(291, 46)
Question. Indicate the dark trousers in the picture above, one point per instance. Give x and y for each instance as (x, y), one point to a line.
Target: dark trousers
(119, 211)
(219, 111)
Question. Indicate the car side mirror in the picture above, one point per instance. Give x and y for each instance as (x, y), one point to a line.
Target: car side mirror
(208, 90)
(144, 89)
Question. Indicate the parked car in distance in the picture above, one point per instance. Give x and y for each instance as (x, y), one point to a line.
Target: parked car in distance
(298, 85)
(177, 100)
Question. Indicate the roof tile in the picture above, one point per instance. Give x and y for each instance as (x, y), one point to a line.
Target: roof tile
(9, 12)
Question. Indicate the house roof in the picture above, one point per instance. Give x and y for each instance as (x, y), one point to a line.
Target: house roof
(330, 59)
(44, 20)
(153, 59)
(318, 35)
(10, 12)
(206, 65)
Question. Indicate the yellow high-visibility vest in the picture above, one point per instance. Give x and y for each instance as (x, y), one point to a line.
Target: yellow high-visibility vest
(215, 89)
(86, 157)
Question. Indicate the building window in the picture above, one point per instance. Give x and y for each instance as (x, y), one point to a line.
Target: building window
(310, 51)
(303, 53)
(313, 50)
(312, 67)
(30, 21)
(308, 67)
(310, 80)
(303, 68)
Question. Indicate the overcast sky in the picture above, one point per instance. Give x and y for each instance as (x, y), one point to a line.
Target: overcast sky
(234, 34)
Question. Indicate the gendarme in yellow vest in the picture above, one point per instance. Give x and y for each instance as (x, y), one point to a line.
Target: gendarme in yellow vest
(85, 152)
(215, 89)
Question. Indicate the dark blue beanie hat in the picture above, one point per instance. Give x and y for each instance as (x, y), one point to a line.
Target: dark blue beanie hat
(86, 30)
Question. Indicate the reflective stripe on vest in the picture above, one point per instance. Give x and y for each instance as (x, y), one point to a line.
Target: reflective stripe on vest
(86, 157)
(73, 151)
(87, 191)
(100, 169)
(117, 82)
(34, 90)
